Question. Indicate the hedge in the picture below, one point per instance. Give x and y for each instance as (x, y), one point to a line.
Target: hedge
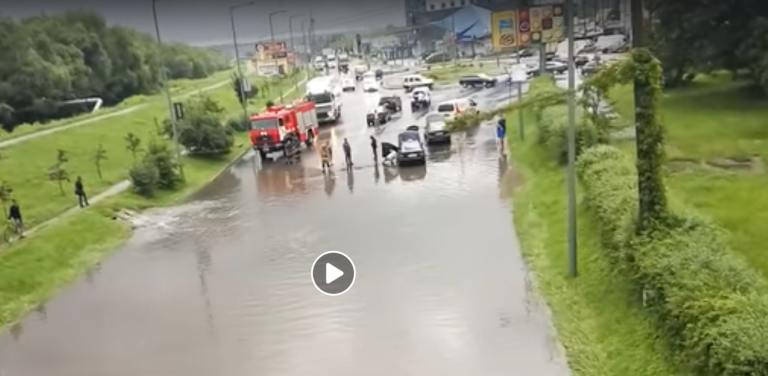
(712, 306)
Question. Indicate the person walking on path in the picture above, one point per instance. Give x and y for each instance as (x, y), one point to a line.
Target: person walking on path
(82, 199)
(501, 132)
(347, 153)
(374, 148)
(14, 214)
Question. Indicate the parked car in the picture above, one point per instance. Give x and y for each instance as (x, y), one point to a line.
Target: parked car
(456, 108)
(378, 115)
(552, 67)
(413, 81)
(393, 103)
(410, 148)
(590, 68)
(348, 84)
(580, 60)
(481, 79)
(370, 85)
(379, 74)
(436, 129)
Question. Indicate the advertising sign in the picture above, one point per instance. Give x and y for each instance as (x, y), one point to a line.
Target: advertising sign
(504, 30)
(541, 25)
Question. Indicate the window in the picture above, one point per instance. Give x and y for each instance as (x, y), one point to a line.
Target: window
(442, 5)
(453, 4)
(431, 6)
(264, 124)
(463, 2)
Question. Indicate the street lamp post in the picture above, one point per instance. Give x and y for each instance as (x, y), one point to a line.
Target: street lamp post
(573, 270)
(167, 90)
(271, 26)
(240, 75)
(290, 28)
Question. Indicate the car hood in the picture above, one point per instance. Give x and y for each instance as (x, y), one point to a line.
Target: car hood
(410, 146)
(437, 126)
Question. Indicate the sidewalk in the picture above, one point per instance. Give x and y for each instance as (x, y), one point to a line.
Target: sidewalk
(117, 188)
(46, 132)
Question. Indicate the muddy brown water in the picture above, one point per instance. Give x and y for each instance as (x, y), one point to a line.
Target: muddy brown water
(222, 286)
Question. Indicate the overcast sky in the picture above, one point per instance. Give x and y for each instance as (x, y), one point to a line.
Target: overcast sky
(207, 21)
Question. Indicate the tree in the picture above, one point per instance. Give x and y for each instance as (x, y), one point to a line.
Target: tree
(99, 156)
(5, 195)
(57, 172)
(133, 144)
(49, 59)
(202, 131)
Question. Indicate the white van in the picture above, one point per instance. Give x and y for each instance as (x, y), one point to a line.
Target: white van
(456, 108)
(413, 81)
(319, 63)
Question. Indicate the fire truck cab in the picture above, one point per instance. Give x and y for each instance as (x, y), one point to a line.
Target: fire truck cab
(278, 125)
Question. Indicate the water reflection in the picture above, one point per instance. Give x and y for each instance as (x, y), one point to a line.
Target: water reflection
(439, 153)
(330, 183)
(413, 173)
(351, 180)
(277, 179)
(390, 174)
(376, 173)
(17, 330)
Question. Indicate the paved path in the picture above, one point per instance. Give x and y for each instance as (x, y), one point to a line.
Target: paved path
(115, 189)
(42, 133)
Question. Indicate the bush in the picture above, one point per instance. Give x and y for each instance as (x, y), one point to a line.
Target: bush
(710, 304)
(160, 156)
(145, 178)
(239, 124)
(202, 131)
(553, 131)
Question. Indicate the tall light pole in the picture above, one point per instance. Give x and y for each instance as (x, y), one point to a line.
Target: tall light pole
(573, 270)
(304, 40)
(240, 76)
(290, 27)
(271, 27)
(166, 89)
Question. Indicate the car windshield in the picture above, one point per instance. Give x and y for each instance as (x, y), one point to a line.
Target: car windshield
(263, 124)
(435, 118)
(319, 98)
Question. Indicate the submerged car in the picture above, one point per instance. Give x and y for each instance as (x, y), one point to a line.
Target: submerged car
(410, 148)
(436, 130)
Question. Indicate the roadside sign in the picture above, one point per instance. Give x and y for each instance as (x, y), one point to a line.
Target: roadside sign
(519, 73)
(260, 47)
(178, 111)
(246, 85)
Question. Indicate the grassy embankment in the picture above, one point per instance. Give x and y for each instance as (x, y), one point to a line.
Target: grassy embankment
(177, 87)
(32, 270)
(604, 330)
(711, 125)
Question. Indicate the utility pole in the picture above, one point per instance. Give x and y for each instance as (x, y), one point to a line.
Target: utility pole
(240, 76)
(167, 90)
(573, 270)
(290, 28)
(272, 27)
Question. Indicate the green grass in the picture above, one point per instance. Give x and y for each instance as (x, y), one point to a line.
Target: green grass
(176, 87)
(34, 269)
(718, 118)
(24, 166)
(603, 329)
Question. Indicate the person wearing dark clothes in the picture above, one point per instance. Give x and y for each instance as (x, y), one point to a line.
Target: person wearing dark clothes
(347, 153)
(374, 147)
(82, 199)
(14, 214)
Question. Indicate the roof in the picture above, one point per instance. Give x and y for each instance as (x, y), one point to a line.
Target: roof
(469, 22)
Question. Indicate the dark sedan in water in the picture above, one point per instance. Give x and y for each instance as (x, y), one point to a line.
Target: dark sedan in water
(410, 148)
(436, 130)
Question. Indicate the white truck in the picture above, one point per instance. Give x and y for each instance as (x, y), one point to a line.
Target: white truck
(325, 92)
(413, 81)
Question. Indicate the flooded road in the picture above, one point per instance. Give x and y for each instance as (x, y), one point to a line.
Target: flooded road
(222, 286)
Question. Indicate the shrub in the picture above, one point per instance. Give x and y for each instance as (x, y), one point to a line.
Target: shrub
(711, 305)
(553, 131)
(202, 131)
(162, 158)
(239, 124)
(145, 178)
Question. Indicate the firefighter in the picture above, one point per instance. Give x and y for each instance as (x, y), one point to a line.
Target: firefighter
(326, 155)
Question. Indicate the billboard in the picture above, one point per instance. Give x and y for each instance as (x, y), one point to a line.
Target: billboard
(504, 30)
(541, 25)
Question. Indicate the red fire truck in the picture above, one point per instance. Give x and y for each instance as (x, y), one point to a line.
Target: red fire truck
(295, 123)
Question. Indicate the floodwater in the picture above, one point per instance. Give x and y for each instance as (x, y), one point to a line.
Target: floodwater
(222, 286)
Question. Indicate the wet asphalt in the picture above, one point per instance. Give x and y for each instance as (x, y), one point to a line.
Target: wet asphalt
(221, 286)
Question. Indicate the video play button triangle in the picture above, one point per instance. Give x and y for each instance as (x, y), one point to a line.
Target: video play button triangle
(332, 273)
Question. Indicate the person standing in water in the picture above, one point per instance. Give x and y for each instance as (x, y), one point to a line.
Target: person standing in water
(347, 153)
(501, 132)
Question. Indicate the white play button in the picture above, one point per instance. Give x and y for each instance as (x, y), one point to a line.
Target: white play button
(332, 273)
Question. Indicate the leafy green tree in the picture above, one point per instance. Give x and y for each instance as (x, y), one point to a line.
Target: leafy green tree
(133, 144)
(58, 172)
(202, 131)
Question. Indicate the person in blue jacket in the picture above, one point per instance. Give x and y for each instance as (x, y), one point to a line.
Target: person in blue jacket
(501, 132)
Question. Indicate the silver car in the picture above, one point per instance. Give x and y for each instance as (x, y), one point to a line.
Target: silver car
(436, 130)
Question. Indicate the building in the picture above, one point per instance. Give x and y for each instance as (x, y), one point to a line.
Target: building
(421, 12)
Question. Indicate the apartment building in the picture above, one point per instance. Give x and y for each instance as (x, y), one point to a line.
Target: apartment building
(420, 12)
